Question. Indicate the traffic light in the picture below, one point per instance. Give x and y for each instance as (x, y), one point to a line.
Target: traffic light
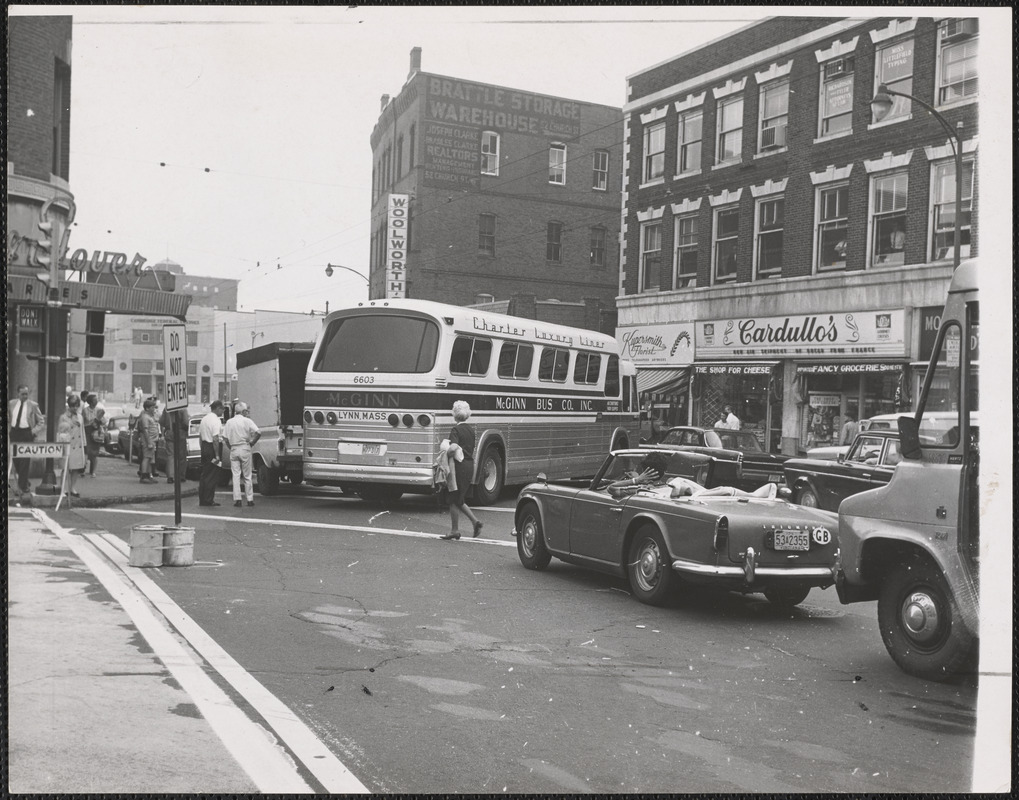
(95, 333)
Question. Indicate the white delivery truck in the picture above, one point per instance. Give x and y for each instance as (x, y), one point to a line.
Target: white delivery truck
(270, 379)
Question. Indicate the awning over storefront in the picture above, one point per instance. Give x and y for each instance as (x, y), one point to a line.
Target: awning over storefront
(667, 380)
(848, 367)
(99, 297)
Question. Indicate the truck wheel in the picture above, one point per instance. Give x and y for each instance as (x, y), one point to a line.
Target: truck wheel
(384, 496)
(920, 623)
(531, 541)
(806, 497)
(648, 568)
(786, 596)
(490, 477)
(268, 480)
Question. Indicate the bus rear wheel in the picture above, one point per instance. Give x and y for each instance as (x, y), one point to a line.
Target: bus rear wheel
(268, 480)
(491, 476)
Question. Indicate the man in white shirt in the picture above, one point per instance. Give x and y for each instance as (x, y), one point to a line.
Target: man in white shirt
(26, 422)
(240, 433)
(728, 420)
(209, 436)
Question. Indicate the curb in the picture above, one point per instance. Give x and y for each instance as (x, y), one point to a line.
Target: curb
(70, 503)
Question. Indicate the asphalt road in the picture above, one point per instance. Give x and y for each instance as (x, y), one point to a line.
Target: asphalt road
(431, 666)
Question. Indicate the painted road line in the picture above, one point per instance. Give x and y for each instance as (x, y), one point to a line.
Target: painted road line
(264, 761)
(305, 746)
(298, 524)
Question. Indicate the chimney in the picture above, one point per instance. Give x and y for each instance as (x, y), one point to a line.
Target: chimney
(415, 61)
(385, 102)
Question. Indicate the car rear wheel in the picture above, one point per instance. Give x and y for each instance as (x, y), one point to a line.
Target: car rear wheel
(648, 568)
(268, 480)
(920, 623)
(806, 497)
(786, 596)
(490, 477)
(531, 539)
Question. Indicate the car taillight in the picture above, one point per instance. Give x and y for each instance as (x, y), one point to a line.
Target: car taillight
(721, 540)
(281, 445)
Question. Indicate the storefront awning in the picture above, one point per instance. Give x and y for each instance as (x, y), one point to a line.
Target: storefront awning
(667, 380)
(100, 297)
(848, 367)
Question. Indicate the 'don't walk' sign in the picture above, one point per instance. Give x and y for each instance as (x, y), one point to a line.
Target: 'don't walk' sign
(175, 363)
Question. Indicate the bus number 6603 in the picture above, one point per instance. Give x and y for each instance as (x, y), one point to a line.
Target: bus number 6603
(364, 379)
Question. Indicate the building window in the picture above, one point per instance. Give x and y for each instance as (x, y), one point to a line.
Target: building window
(686, 252)
(598, 237)
(730, 130)
(557, 164)
(554, 242)
(587, 367)
(486, 234)
(726, 243)
(411, 152)
(470, 356)
(690, 135)
(888, 219)
(554, 364)
(399, 156)
(943, 209)
(832, 227)
(774, 110)
(770, 225)
(650, 257)
(600, 179)
(894, 69)
(489, 153)
(837, 96)
(515, 360)
(483, 297)
(654, 152)
(957, 59)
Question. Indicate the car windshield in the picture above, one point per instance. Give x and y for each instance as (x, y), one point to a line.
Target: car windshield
(685, 465)
(744, 441)
(865, 450)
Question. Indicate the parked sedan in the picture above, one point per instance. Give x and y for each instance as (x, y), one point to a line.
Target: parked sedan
(742, 543)
(754, 466)
(113, 428)
(823, 483)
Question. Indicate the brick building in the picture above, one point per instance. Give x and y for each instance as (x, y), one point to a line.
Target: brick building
(511, 199)
(798, 248)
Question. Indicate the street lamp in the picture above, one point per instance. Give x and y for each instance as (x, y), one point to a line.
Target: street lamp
(882, 104)
(331, 267)
(255, 336)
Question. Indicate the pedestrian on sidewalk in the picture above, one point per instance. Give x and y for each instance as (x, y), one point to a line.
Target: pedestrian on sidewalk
(176, 457)
(71, 430)
(240, 434)
(148, 433)
(26, 423)
(90, 414)
(463, 435)
(209, 438)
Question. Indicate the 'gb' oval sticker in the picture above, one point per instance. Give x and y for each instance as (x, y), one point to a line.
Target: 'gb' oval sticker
(821, 535)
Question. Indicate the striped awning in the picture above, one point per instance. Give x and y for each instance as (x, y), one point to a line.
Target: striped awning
(663, 380)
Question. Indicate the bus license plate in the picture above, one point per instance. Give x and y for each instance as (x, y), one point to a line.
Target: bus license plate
(361, 449)
(792, 540)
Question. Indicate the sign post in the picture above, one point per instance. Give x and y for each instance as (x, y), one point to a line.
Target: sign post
(175, 365)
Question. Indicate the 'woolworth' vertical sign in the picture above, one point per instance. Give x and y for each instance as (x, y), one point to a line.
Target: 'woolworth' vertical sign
(396, 246)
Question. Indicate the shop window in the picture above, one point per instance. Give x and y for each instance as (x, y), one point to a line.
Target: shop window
(726, 243)
(690, 138)
(470, 356)
(554, 242)
(770, 229)
(837, 96)
(650, 256)
(515, 360)
(598, 238)
(957, 59)
(832, 227)
(686, 252)
(600, 168)
(486, 234)
(894, 68)
(730, 131)
(888, 219)
(774, 111)
(554, 364)
(586, 369)
(557, 164)
(489, 153)
(654, 152)
(943, 209)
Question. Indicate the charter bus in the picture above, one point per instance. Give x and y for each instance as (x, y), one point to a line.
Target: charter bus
(384, 375)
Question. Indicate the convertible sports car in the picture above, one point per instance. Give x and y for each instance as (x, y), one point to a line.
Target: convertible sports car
(742, 543)
(869, 463)
(754, 466)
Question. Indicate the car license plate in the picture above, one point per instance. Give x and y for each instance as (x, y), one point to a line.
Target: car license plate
(361, 448)
(792, 540)
(774, 478)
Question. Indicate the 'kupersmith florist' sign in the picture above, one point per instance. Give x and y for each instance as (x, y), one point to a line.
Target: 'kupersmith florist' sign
(663, 345)
(848, 334)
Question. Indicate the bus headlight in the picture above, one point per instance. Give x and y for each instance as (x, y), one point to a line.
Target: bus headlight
(393, 420)
(319, 418)
(408, 420)
(424, 420)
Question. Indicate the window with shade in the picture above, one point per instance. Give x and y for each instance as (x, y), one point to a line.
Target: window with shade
(774, 111)
(557, 164)
(888, 219)
(685, 239)
(832, 227)
(691, 126)
(489, 153)
(730, 131)
(770, 230)
(957, 59)
(837, 81)
(654, 152)
(650, 256)
(726, 243)
(894, 69)
(943, 209)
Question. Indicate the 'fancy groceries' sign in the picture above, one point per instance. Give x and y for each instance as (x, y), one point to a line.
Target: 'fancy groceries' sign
(848, 335)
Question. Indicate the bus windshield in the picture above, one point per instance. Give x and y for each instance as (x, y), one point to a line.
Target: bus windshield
(378, 343)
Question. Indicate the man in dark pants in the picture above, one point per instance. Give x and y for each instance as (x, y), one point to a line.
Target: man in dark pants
(209, 435)
(26, 422)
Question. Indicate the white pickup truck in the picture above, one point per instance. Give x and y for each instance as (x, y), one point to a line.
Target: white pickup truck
(270, 379)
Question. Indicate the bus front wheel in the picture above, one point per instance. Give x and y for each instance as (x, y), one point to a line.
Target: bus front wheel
(490, 477)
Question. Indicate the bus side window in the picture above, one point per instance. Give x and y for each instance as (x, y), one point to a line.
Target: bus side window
(554, 364)
(470, 356)
(587, 368)
(515, 360)
(612, 377)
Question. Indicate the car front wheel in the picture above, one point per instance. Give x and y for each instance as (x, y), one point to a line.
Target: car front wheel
(920, 623)
(531, 539)
(806, 497)
(648, 568)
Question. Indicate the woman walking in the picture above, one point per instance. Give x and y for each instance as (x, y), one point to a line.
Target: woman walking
(464, 436)
(71, 430)
(91, 417)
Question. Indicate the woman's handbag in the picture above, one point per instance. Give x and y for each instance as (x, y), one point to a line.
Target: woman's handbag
(98, 435)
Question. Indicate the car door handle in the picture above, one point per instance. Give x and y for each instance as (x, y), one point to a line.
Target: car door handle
(865, 474)
(616, 509)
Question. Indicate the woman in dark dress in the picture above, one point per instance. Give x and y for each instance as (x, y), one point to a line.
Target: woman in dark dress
(464, 436)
